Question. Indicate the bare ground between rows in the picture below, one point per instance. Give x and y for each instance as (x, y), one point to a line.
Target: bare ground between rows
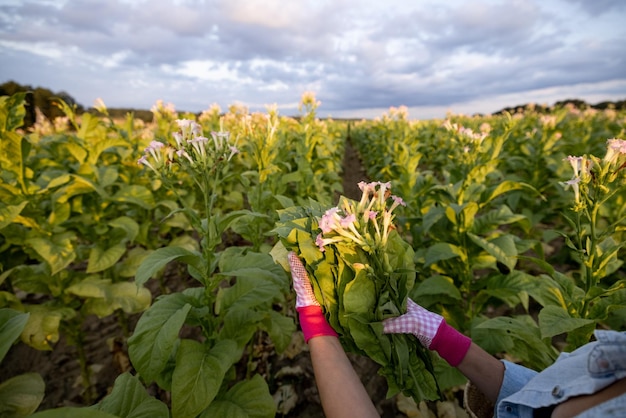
(289, 374)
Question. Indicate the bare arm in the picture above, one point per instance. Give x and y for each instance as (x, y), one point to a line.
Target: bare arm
(484, 370)
(340, 389)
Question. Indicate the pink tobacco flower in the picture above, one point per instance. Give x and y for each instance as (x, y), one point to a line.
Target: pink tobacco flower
(615, 149)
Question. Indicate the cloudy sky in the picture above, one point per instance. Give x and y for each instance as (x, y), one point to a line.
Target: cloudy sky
(359, 57)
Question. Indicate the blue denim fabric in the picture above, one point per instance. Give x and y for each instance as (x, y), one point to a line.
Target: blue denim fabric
(584, 371)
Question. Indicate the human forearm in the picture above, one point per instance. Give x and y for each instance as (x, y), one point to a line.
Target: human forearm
(485, 371)
(341, 391)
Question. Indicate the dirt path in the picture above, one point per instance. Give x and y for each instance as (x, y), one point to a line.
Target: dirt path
(353, 172)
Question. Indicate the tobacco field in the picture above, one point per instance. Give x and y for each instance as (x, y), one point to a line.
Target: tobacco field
(137, 268)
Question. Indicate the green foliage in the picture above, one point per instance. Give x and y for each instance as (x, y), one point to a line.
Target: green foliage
(492, 230)
(486, 215)
(362, 276)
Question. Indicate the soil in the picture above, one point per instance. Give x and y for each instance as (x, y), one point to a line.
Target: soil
(289, 374)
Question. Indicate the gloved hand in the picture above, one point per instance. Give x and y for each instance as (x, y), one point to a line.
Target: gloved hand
(312, 320)
(431, 330)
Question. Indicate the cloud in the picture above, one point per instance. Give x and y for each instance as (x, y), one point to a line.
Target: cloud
(354, 55)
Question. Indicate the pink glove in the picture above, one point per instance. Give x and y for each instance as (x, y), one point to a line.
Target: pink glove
(312, 320)
(432, 331)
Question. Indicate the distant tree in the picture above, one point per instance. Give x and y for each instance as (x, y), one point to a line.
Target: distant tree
(578, 104)
(38, 97)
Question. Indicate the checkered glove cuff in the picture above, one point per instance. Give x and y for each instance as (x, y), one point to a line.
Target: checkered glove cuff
(417, 321)
(301, 283)
(312, 320)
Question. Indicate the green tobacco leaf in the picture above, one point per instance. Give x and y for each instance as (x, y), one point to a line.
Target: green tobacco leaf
(21, 395)
(467, 216)
(104, 297)
(608, 261)
(502, 215)
(100, 146)
(9, 213)
(159, 258)
(436, 286)
(247, 292)
(199, 374)
(239, 262)
(279, 254)
(57, 252)
(156, 332)
(12, 324)
(247, 399)
(129, 399)
(554, 320)
(502, 248)
(359, 295)
(528, 343)
(78, 151)
(103, 258)
(130, 264)
(280, 329)
(443, 251)
(128, 225)
(135, 194)
(506, 186)
(42, 327)
(12, 112)
(240, 325)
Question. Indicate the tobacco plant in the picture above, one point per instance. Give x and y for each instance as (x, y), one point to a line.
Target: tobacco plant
(65, 225)
(234, 300)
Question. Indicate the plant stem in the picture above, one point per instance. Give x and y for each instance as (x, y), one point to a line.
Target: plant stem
(85, 372)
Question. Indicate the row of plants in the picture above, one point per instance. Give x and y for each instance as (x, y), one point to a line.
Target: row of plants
(510, 246)
(93, 209)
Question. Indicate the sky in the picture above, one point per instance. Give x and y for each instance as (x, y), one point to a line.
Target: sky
(359, 57)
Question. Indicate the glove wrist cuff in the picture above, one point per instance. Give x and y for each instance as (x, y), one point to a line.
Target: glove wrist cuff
(450, 344)
(313, 323)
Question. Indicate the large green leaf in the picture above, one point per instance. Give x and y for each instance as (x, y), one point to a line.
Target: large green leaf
(502, 248)
(12, 112)
(240, 325)
(238, 262)
(128, 225)
(155, 335)
(101, 258)
(135, 194)
(129, 399)
(247, 399)
(21, 395)
(443, 251)
(57, 252)
(9, 213)
(506, 186)
(280, 329)
(247, 292)
(104, 297)
(437, 287)
(529, 344)
(554, 320)
(98, 147)
(359, 295)
(42, 327)
(11, 325)
(161, 257)
(199, 374)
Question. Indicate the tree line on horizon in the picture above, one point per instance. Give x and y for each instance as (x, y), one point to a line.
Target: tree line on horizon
(44, 99)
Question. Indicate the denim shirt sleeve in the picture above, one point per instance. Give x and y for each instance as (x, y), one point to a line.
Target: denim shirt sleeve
(585, 371)
(515, 378)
